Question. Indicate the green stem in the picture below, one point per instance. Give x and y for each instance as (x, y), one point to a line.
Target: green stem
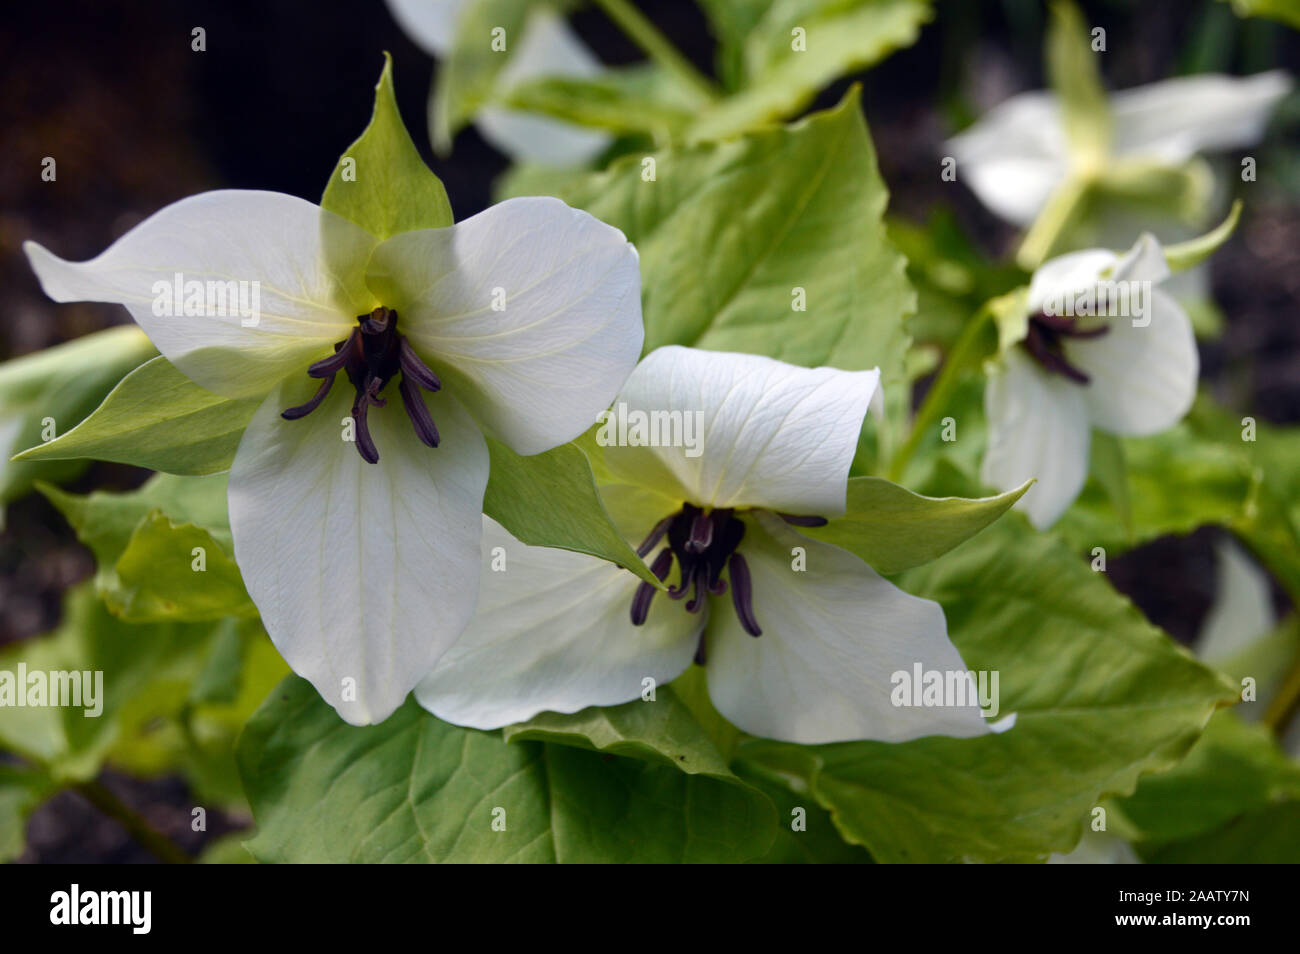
(941, 391)
(1286, 702)
(1052, 221)
(160, 846)
(659, 48)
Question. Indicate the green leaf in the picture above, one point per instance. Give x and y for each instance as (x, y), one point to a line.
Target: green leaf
(159, 575)
(838, 37)
(21, 790)
(1235, 768)
(62, 384)
(160, 419)
(1074, 75)
(381, 183)
(417, 789)
(1191, 253)
(728, 232)
(158, 581)
(1108, 466)
(467, 75)
(817, 841)
(550, 500)
(146, 672)
(1100, 695)
(629, 100)
(893, 529)
(1268, 836)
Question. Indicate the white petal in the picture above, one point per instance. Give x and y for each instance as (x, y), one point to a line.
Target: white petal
(553, 632)
(548, 48)
(1066, 275)
(1176, 118)
(1013, 156)
(1242, 611)
(302, 264)
(362, 572)
(1142, 378)
(536, 372)
(1038, 427)
(834, 636)
(431, 24)
(762, 433)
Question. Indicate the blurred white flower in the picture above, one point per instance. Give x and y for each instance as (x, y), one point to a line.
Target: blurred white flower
(548, 47)
(1131, 375)
(802, 653)
(1016, 155)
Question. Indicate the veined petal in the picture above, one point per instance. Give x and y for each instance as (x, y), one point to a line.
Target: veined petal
(549, 48)
(764, 433)
(431, 24)
(1038, 427)
(238, 340)
(1014, 156)
(553, 632)
(1142, 372)
(364, 573)
(834, 637)
(1177, 118)
(530, 311)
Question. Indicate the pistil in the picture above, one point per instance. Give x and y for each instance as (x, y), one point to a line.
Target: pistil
(371, 356)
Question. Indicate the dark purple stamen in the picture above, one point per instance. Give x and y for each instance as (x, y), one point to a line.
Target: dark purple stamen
(1045, 340)
(703, 543)
(372, 355)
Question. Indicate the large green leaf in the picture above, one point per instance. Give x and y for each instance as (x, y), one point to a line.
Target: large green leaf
(628, 100)
(381, 183)
(1101, 697)
(58, 386)
(160, 419)
(727, 233)
(417, 789)
(893, 529)
(1234, 769)
(779, 80)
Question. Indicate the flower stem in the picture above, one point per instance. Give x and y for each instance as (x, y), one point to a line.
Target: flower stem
(660, 49)
(941, 391)
(1061, 207)
(157, 844)
(1286, 702)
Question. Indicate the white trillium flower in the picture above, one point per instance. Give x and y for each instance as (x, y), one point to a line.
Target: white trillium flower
(1016, 155)
(799, 639)
(357, 530)
(548, 47)
(1132, 375)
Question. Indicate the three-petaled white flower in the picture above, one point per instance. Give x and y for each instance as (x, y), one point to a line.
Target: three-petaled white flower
(1072, 369)
(365, 565)
(1016, 155)
(800, 639)
(548, 47)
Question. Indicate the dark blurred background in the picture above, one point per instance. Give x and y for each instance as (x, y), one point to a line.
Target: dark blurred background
(136, 119)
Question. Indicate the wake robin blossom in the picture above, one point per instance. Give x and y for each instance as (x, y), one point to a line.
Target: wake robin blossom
(798, 638)
(1131, 374)
(1017, 154)
(357, 525)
